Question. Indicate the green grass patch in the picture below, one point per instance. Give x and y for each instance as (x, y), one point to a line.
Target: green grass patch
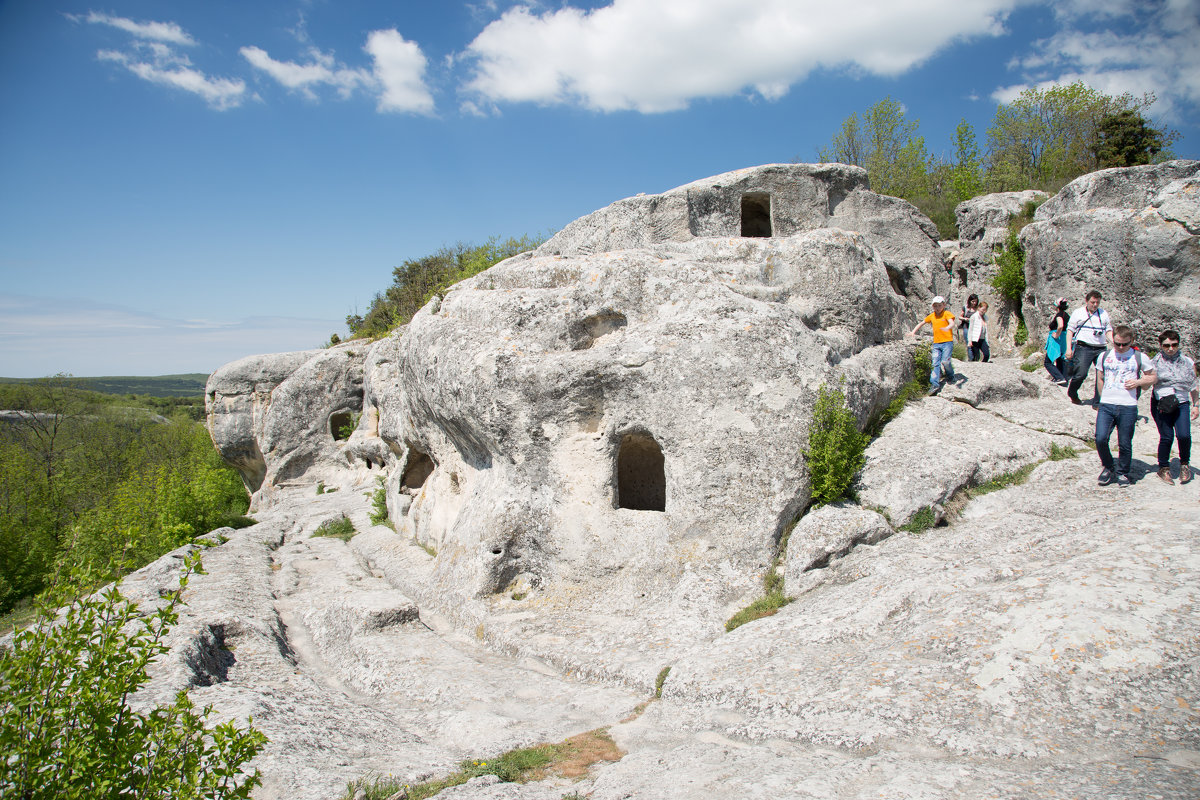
(922, 521)
(570, 758)
(959, 351)
(764, 606)
(1059, 452)
(340, 528)
(660, 680)
(1014, 478)
(1031, 367)
(773, 598)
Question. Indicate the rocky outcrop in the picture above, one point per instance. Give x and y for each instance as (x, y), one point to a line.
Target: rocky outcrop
(983, 228)
(1129, 233)
(277, 417)
(776, 200)
(591, 454)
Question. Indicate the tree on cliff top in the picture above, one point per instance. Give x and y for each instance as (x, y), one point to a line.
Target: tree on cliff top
(416, 281)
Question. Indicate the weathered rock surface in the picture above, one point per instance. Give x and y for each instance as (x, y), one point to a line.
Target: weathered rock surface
(776, 200)
(962, 438)
(1129, 233)
(1045, 632)
(590, 453)
(983, 230)
(276, 417)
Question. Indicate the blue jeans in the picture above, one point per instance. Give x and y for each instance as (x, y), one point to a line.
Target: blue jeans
(941, 359)
(1171, 427)
(1055, 368)
(1124, 419)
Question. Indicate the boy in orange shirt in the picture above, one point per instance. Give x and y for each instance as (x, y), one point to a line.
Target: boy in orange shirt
(942, 323)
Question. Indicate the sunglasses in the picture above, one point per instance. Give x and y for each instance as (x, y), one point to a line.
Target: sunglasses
(1121, 344)
(1169, 345)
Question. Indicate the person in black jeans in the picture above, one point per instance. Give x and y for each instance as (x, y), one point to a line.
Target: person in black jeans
(1089, 332)
(1175, 404)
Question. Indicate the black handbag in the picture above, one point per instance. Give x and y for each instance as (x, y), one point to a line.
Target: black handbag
(1167, 404)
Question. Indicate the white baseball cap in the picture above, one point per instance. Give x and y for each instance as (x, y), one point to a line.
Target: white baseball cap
(938, 299)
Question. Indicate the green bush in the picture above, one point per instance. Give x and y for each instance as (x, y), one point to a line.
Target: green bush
(1009, 280)
(835, 448)
(68, 732)
(379, 509)
(1021, 335)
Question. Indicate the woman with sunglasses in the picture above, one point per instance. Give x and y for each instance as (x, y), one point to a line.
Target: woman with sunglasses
(1174, 405)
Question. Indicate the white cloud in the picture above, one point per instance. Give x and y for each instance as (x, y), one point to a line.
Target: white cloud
(1120, 46)
(151, 58)
(168, 32)
(658, 55)
(320, 70)
(166, 68)
(400, 70)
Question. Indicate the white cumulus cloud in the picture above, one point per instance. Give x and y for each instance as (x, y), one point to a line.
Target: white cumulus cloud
(151, 57)
(321, 69)
(168, 32)
(1120, 46)
(164, 67)
(399, 67)
(659, 55)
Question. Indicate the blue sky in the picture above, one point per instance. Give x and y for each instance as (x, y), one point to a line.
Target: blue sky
(186, 183)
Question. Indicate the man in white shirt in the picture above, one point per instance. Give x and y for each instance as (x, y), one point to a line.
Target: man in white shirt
(1089, 332)
(1120, 375)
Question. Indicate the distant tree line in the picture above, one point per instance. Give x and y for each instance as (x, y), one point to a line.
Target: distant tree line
(1042, 140)
(416, 281)
(102, 484)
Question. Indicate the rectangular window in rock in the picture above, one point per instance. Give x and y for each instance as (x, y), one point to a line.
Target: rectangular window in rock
(756, 214)
(641, 477)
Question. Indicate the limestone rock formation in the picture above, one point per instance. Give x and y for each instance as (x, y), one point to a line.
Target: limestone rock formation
(589, 454)
(776, 200)
(275, 417)
(983, 228)
(1129, 233)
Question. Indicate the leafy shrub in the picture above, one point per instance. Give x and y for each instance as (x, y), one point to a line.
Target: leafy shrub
(835, 448)
(379, 509)
(1021, 335)
(67, 730)
(1009, 280)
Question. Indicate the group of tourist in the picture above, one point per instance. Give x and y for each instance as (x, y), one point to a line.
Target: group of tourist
(971, 327)
(1077, 343)
(1087, 339)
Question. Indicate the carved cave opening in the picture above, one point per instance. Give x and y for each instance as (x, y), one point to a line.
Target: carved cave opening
(416, 470)
(641, 477)
(342, 424)
(756, 214)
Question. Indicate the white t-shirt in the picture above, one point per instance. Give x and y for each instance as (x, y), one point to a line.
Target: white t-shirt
(1118, 369)
(1089, 327)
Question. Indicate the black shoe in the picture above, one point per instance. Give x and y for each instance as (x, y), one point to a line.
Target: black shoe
(1123, 480)
(1106, 477)
(1076, 401)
